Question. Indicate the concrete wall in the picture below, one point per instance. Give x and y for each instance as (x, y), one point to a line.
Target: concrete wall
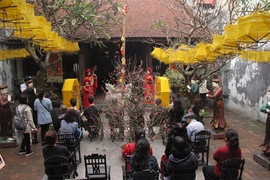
(6, 73)
(247, 84)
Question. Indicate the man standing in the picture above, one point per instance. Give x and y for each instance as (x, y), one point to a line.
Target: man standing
(23, 86)
(193, 127)
(203, 91)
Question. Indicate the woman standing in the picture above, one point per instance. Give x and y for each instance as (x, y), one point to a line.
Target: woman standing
(26, 111)
(31, 96)
(43, 106)
(231, 150)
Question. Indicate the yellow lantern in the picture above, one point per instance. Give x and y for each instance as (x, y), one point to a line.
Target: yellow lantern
(254, 27)
(181, 55)
(230, 35)
(217, 42)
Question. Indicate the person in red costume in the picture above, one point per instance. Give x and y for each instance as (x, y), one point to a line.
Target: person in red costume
(90, 85)
(149, 87)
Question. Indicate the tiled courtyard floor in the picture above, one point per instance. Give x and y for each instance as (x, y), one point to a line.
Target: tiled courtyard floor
(251, 135)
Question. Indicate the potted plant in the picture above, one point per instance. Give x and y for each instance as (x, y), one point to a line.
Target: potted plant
(177, 81)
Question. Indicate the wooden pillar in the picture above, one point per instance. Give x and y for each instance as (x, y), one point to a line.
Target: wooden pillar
(81, 62)
(19, 67)
(148, 57)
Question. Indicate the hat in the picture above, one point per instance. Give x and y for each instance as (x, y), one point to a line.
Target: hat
(183, 120)
(88, 70)
(215, 80)
(190, 115)
(3, 86)
(29, 81)
(27, 78)
(194, 78)
(149, 69)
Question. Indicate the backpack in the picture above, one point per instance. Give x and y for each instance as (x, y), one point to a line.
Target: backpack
(19, 120)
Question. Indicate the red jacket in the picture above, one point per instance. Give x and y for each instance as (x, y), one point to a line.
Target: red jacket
(222, 154)
(130, 148)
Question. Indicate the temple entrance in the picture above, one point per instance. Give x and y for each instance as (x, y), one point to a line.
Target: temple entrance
(105, 59)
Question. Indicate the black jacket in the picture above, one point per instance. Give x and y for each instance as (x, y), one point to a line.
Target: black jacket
(188, 161)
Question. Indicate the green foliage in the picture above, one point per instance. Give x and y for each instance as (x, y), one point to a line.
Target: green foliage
(80, 20)
(175, 78)
(265, 5)
(159, 25)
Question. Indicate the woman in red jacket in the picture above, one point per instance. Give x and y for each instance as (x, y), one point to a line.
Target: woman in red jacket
(231, 150)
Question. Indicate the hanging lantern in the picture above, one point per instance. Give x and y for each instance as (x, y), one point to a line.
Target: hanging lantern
(230, 35)
(181, 56)
(254, 27)
(217, 42)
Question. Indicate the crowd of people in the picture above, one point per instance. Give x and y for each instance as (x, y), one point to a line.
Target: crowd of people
(178, 152)
(181, 124)
(38, 111)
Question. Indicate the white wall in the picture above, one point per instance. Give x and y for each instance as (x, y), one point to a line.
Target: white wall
(247, 84)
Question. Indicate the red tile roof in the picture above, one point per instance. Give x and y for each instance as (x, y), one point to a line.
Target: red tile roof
(140, 17)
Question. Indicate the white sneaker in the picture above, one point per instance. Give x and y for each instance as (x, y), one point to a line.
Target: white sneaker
(10, 139)
(29, 153)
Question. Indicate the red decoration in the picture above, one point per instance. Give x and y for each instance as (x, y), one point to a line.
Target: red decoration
(122, 51)
(173, 66)
(126, 8)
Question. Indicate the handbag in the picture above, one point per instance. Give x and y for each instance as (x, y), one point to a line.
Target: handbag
(78, 134)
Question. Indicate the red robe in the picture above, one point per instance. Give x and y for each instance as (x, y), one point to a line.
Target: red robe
(91, 89)
(86, 94)
(149, 89)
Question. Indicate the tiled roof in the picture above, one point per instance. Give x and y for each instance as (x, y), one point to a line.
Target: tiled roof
(140, 17)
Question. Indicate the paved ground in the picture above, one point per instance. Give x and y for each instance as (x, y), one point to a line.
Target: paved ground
(251, 134)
